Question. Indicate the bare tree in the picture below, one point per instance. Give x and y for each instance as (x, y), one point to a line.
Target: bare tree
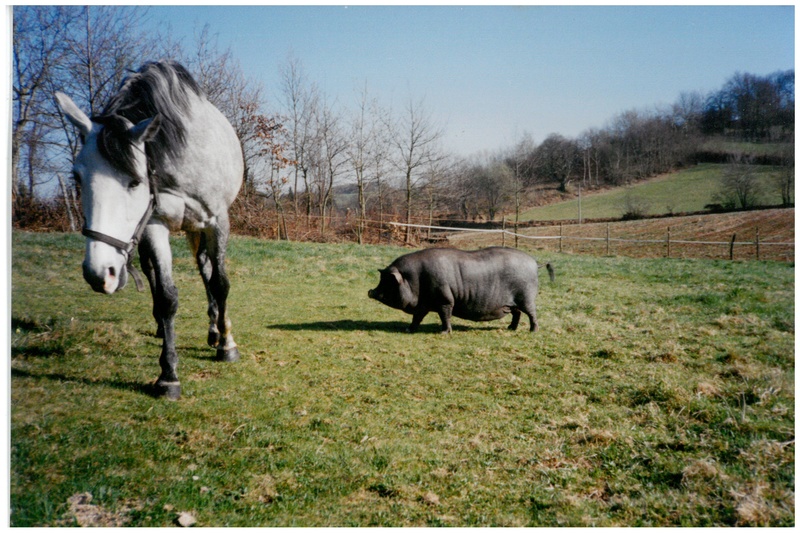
(300, 101)
(104, 45)
(784, 178)
(363, 147)
(272, 143)
(379, 162)
(367, 153)
(739, 185)
(521, 162)
(557, 159)
(38, 50)
(330, 158)
(687, 112)
(415, 138)
(494, 185)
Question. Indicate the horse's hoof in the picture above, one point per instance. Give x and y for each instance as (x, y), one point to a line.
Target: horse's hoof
(171, 390)
(231, 355)
(213, 337)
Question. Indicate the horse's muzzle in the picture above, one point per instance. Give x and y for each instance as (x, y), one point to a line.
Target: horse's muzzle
(106, 279)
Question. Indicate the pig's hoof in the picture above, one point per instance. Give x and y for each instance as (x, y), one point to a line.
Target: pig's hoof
(171, 390)
(231, 355)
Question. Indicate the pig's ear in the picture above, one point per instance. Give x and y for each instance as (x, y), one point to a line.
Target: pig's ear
(397, 275)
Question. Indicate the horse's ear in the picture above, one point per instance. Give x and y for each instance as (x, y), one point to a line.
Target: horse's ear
(74, 114)
(145, 130)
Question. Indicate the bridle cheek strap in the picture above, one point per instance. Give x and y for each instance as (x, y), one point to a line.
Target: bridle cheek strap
(128, 248)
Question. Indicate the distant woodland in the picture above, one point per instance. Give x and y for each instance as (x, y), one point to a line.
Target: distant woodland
(322, 170)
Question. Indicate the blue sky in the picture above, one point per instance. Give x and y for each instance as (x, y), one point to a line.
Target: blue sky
(488, 74)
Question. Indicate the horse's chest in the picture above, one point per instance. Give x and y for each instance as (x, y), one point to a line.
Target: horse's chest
(193, 222)
(185, 214)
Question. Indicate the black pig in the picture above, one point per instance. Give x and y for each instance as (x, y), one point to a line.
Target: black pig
(481, 285)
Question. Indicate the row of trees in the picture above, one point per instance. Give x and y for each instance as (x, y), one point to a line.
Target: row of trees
(308, 156)
(296, 155)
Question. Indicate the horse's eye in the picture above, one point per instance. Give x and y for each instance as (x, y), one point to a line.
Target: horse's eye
(134, 183)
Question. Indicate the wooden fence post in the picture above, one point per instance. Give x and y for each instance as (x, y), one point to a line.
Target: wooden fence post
(758, 245)
(733, 240)
(669, 231)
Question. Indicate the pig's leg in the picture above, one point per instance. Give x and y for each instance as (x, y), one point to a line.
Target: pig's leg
(515, 316)
(530, 310)
(416, 321)
(445, 312)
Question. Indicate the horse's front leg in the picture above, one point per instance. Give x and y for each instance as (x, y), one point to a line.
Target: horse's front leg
(216, 240)
(156, 254)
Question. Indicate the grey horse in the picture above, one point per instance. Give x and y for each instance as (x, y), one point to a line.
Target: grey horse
(159, 158)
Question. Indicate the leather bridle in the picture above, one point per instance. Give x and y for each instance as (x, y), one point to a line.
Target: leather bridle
(129, 248)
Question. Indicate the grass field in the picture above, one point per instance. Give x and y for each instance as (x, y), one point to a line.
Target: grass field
(687, 191)
(657, 392)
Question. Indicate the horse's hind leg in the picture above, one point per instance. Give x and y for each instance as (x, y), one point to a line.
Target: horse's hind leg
(157, 256)
(218, 287)
(197, 243)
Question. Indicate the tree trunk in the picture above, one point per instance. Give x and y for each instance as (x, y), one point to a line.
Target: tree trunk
(67, 202)
(408, 207)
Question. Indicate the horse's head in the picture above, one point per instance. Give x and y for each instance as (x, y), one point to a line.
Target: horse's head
(111, 170)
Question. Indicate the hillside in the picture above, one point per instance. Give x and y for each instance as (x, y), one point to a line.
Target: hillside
(686, 191)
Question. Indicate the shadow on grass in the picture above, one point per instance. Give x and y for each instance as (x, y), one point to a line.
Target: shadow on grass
(364, 325)
(148, 389)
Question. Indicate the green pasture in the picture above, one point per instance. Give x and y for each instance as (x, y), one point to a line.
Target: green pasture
(656, 393)
(686, 191)
(754, 149)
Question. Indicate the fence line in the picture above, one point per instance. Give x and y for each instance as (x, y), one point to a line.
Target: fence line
(607, 239)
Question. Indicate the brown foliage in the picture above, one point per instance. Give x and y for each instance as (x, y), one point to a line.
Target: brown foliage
(32, 214)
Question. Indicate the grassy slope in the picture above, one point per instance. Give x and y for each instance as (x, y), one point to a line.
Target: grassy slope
(682, 192)
(656, 393)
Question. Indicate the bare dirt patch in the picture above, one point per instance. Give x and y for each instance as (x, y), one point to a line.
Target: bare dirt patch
(87, 514)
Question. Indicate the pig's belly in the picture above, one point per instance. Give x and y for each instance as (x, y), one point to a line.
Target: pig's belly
(481, 315)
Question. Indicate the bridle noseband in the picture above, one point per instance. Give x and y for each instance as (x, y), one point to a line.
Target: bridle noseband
(129, 248)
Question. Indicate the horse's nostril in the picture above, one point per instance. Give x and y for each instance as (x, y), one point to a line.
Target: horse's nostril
(112, 272)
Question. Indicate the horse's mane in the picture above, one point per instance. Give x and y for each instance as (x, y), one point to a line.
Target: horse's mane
(158, 88)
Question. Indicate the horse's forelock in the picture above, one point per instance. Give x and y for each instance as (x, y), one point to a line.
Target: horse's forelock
(115, 145)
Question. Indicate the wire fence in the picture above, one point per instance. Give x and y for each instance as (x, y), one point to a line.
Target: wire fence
(725, 236)
(668, 246)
